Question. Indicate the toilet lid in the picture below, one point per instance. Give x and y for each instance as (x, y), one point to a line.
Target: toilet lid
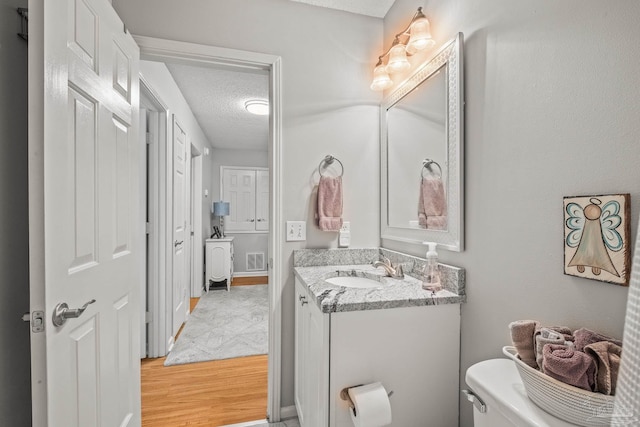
(498, 384)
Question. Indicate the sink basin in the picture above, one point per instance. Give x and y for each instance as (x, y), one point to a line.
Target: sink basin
(354, 282)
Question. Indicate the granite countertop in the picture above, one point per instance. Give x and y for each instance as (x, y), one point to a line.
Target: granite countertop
(392, 293)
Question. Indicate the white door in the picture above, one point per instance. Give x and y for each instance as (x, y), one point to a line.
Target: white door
(239, 189)
(180, 239)
(85, 230)
(262, 200)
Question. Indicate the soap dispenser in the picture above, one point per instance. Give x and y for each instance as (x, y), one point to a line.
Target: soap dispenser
(431, 273)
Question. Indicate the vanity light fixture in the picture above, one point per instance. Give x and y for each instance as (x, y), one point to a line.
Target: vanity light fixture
(257, 106)
(412, 39)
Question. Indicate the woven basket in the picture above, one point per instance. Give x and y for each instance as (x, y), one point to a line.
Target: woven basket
(564, 401)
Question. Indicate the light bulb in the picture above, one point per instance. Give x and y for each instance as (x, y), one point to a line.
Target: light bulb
(420, 35)
(381, 80)
(398, 60)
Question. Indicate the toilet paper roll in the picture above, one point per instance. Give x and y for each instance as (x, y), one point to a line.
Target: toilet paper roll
(372, 406)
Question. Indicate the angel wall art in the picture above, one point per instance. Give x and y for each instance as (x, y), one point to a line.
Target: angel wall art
(596, 238)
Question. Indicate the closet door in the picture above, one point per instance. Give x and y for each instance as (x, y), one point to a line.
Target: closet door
(262, 200)
(239, 189)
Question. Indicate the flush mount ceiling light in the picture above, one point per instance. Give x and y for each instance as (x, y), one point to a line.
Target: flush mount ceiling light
(257, 106)
(412, 39)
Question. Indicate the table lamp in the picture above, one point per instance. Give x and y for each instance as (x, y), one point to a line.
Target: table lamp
(221, 209)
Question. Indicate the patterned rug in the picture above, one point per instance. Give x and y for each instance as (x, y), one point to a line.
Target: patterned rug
(224, 325)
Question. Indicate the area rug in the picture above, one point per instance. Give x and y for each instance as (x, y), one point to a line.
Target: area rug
(224, 324)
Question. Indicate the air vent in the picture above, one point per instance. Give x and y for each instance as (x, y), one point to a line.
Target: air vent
(255, 261)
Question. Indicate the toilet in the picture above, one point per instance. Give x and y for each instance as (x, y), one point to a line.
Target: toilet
(496, 384)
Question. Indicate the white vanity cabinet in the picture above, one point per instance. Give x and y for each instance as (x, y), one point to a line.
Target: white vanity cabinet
(412, 351)
(219, 261)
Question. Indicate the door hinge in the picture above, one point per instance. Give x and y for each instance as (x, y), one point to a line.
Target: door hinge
(36, 319)
(147, 317)
(149, 138)
(147, 227)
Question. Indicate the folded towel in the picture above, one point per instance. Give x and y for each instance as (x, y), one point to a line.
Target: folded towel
(607, 357)
(432, 203)
(522, 337)
(546, 336)
(584, 337)
(330, 203)
(570, 366)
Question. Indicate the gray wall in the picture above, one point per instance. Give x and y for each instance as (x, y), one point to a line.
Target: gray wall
(15, 387)
(243, 242)
(551, 110)
(328, 108)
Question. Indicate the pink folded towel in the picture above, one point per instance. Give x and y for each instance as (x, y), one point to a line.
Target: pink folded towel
(432, 204)
(522, 337)
(546, 336)
(569, 366)
(330, 203)
(607, 357)
(584, 337)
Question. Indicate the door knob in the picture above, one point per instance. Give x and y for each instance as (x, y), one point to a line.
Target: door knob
(62, 312)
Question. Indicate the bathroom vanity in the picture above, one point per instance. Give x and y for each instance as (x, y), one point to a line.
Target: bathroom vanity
(395, 333)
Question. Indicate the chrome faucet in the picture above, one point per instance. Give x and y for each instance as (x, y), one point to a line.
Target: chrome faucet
(392, 271)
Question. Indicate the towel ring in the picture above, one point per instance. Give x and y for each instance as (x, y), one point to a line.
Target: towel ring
(328, 160)
(426, 164)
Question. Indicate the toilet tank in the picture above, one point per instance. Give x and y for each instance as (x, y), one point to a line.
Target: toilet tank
(498, 385)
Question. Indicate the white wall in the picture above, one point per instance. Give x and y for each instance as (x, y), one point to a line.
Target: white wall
(159, 78)
(327, 59)
(243, 242)
(15, 392)
(551, 110)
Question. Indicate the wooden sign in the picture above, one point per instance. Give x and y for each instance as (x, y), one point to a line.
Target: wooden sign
(596, 238)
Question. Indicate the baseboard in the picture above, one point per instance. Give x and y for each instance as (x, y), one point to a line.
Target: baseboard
(250, 273)
(248, 424)
(288, 412)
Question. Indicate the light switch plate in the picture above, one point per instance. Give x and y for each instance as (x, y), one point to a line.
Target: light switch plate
(296, 231)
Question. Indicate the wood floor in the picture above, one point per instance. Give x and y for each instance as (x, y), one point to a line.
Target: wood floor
(208, 394)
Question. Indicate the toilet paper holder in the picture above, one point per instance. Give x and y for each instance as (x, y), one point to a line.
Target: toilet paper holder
(344, 395)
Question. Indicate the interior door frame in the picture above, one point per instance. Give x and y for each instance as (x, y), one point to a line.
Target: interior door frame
(159, 194)
(156, 49)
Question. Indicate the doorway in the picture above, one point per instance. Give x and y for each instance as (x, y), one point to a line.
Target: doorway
(193, 54)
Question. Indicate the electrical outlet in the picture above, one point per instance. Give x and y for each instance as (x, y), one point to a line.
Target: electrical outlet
(296, 231)
(346, 227)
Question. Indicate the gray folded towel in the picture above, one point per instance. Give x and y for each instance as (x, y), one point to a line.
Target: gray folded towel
(584, 337)
(570, 366)
(522, 337)
(546, 336)
(607, 357)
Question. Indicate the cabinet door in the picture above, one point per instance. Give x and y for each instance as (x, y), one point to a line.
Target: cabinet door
(300, 354)
(239, 189)
(311, 357)
(262, 200)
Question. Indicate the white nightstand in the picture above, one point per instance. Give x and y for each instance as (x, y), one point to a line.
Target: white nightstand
(219, 261)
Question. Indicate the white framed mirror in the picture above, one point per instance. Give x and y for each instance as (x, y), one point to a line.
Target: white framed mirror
(422, 162)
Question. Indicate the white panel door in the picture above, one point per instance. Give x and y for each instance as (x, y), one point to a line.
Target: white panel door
(180, 238)
(84, 185)
(240, 191)
(262, 200)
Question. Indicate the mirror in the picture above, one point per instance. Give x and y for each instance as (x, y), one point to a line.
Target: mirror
(422, 154)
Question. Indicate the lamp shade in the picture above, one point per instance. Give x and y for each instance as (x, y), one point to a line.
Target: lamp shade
(398, 59)
(381, 80)
(420, 35)
(220, 208)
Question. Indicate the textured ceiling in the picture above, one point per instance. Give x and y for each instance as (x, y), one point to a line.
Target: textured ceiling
(375, 8)
(217, 98)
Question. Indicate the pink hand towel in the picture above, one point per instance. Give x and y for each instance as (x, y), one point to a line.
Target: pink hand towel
(330, 203)
(607, 356)
(569, 366)
(522, 337)
(546, 336)
(584, 337)
(432, 204)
